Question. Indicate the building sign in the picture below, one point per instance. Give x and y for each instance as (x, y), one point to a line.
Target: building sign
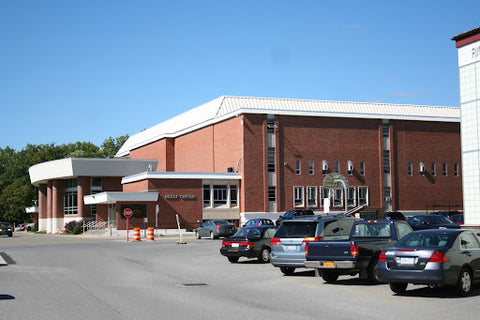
(469, 54)
(180, 196)
(138, 210)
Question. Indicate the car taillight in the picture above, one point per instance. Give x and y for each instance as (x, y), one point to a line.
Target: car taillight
(382, 257)
(226, 243)
(218, 227)
(437, 256)
(354, 250)
(308, 239)
(275, 241)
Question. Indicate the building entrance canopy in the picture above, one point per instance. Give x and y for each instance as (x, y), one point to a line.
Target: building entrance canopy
(114, 196)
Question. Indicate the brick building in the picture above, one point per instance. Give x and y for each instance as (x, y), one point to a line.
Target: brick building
(237, 157)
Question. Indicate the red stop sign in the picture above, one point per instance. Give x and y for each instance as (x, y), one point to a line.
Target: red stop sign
(127, 213)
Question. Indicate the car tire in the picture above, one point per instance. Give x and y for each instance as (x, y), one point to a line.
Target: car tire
(288, 271)
(264, 255)
(197, 235)
(372, 272)
(329, 276)
(212, 235)
(398, 287)
(464, 283)
(233, 259)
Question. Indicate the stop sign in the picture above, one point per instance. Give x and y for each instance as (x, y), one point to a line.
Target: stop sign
(127, 213)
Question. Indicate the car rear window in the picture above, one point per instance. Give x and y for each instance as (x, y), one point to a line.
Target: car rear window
(426, 240)
(297, 229)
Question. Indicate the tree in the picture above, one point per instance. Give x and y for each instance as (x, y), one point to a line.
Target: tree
(111, 146)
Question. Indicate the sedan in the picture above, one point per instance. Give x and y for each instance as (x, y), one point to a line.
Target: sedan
(432, 257)
(215, 228)
(249, 242)
(6, 229)
(431, 222)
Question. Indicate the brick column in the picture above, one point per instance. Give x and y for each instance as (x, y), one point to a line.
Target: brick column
(84, 188)
(42, 207)
(48, 222)
(58, 192)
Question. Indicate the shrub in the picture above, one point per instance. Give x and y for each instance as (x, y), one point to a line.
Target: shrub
(69, 227)
(77, 229)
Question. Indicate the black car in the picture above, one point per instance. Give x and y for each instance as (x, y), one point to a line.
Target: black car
(431, 222)
(291, 214)
(249, 242)
(432, 257)
(215, 228)
(394, 215)
(6, 229)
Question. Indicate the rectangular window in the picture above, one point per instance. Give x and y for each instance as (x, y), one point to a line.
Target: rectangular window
(272, 193)
(311, 169)
(351, 197)
(70, 197)
(385, 129)
(270, 124)
(433, 169)
(338, 198)
(298, 167)
(271, 159)
(455, 169)
(444, 169)
(386, 161)
(298, 196)
(206, 196)
(362, 168)
(312, 197)
(324, 194)
(219, 195)
(233, 196)
(337, 166)
(410, 169)
(363, 196)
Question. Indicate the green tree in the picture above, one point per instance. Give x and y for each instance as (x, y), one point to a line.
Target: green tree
(111, 146)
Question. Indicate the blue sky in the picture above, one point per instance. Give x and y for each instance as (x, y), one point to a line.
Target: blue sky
(87, 70)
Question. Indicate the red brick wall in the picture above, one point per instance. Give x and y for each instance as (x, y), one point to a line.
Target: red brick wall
(162, 150)
(112, 183)
(428, 142)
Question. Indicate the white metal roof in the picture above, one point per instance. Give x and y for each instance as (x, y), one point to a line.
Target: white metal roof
(114, 196)
(182, 175)
(226, 107)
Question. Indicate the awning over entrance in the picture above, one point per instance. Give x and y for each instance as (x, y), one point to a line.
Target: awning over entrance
(114, 196)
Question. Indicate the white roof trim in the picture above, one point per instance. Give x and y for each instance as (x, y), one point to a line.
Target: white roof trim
(226, 107)
(182, 175)
(94, 167)
(114, 196)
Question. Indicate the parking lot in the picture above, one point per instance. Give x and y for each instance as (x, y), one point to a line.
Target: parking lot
(76, 277)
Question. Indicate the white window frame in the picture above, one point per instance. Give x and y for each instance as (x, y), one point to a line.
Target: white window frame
(312, 194)
(299, 197)
(360, 202)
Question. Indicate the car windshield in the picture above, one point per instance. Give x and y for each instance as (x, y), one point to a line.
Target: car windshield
(297, 230)
(368, 230)
(3, 224)
(426, 240)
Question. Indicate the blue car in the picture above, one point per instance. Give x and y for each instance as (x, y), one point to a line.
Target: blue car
(431, 222)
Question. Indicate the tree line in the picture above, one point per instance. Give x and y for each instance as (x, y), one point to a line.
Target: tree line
(16, 191)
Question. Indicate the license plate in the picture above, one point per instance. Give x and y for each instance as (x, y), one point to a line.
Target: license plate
(235, 245)
(329, 264)
(405, 261)
(291, 248)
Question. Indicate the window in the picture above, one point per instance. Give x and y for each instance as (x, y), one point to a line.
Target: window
(455, 169)
(96, 187)
(271, 159)
(387, 193)
(270, 124)
(324, 194)
(272, 193)
(385, 129)
(206, 195)
(444, 169)
(233, 196)
(338, 198)
(298, 168)
(362, 168)
(410, 169)
(467, 241)
(433, 169)
(70, 197)
(298, 198)
(402, 229)
(337, 166)
(351, 197)
(311, 169)
(312, 197)
(219, 195)
(386, 161)
(363, 196)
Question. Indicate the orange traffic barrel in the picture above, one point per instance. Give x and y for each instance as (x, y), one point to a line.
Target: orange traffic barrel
(136, 234)
(150, 234)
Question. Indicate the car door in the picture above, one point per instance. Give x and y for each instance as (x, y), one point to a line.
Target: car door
(470, 250)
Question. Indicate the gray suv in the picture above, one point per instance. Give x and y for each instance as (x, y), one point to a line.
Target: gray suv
(288, 243)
